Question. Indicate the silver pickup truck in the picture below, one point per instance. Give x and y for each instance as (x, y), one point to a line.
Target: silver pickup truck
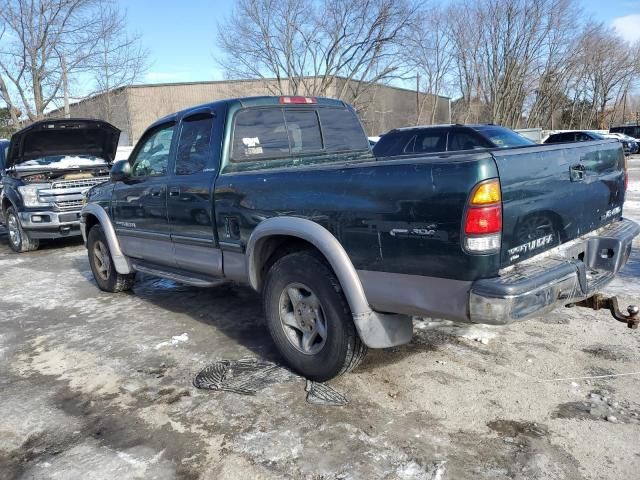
(48, 167)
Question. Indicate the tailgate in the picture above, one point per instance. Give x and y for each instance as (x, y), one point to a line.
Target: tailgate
(555, 193)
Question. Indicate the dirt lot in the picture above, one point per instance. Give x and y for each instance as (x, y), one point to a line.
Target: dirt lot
(99, 386)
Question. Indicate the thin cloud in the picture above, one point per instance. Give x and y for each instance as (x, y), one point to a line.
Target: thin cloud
(627, 27)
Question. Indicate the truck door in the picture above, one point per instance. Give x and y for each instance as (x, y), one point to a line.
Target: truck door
(140, 202)
(189, 202)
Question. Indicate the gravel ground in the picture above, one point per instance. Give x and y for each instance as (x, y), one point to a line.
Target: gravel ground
(99, 386)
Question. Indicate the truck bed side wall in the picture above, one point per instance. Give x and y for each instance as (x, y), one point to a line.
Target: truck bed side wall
(398, 216)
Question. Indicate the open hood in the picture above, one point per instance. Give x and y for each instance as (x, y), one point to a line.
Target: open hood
(68, 137)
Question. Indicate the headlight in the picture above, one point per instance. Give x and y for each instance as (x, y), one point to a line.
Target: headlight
(30, 195)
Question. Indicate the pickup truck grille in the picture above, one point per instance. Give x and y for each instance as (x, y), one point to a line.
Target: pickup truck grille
(69, 204)
(83, 183)
(67, 195)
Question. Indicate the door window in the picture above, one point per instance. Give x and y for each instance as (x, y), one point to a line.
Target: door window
(193, 147)
(152, 158)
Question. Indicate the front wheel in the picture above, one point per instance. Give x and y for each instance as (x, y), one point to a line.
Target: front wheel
(19, 239)
(104, 272)
(309, 318)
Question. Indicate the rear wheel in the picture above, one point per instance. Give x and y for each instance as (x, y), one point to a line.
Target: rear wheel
(104, 272)
(309, 318)
(19, 239)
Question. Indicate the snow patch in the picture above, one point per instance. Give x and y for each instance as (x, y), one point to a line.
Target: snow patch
(175, 340)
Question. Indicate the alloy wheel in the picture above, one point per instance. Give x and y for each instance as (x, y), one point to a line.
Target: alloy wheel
(15, 236)
(101, 259)
(302, 318)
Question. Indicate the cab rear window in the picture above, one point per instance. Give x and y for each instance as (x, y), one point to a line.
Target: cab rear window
(264, 133)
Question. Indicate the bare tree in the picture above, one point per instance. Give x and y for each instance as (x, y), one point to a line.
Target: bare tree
(428, 52)
(313, 48)
(48, 42)
(118, 59)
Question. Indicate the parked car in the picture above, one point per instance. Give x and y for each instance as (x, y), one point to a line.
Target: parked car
(4, 145)
(585, 136)
(632, 143)
(346, 247)
(49, 166)
(632, 130)
(447, 138)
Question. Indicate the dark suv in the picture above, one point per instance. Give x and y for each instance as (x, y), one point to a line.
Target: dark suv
(447, 138)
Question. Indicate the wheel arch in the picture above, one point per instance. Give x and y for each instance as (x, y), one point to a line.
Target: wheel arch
(93, 214)
(377, 330)
(274, 233)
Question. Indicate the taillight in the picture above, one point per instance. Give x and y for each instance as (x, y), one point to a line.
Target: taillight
(297, 99)
(626, 174)
(483, 218)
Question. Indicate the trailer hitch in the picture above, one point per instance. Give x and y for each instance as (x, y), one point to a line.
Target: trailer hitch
(599, 301)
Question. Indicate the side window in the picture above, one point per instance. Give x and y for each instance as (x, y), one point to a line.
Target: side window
(464, 141)
(431, 141)
(193, 150)
(342, 130)
(152, 158)
(259, 133)
(582, 137)
(304, 131)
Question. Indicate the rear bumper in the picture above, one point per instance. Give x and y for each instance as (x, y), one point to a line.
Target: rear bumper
(568, 274)
(50, 224)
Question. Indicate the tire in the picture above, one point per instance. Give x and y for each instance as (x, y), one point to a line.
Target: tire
(309, 318)
(101, 262)
(19, 239)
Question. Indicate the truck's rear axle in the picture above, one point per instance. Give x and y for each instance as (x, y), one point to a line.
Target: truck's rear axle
(599, 301)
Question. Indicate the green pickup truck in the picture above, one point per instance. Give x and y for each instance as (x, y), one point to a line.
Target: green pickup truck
(284, 194)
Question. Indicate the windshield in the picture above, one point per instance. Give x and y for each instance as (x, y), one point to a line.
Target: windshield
(503, 137)
(62, 162)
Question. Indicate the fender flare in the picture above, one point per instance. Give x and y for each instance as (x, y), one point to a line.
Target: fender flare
(120, 261)
(377, 330)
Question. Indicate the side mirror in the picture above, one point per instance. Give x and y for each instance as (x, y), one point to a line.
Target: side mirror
(120, 170)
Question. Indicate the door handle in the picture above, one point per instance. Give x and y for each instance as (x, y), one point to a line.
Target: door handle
(174, 191)
(155, 192)
(577, 172)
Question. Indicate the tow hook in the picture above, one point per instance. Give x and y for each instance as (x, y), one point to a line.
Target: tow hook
(599, 301)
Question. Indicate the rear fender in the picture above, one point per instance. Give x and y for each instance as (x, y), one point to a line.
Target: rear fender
(376, 330)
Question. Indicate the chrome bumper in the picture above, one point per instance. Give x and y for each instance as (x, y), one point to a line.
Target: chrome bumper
(50, 224)
(569, 274)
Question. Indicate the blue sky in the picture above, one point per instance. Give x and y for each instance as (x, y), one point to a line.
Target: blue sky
(181, 36)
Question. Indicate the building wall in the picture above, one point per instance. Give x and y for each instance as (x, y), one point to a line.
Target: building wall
(132, 109)
(113, 108)
(148, 103)
(382, 108)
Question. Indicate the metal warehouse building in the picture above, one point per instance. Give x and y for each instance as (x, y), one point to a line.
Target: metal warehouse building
(133, 108)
